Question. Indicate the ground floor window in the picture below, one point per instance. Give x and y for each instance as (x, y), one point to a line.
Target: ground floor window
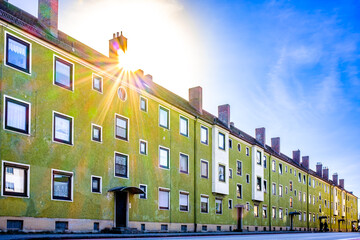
(184, 201)
(164, 199)
(204, 204)
(15, 178)
(62, 185)
(218, 206)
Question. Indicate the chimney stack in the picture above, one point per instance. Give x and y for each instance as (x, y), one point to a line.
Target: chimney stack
(326, 173)
(148, 77)
(48, 15)
(260, 135)
(275, 144)
(335, 179)
(305, 162)
(195, 98)
(341, 183)
(115, 44)
(296, 156)
(319, 169)
(139, 73)
(224, 114)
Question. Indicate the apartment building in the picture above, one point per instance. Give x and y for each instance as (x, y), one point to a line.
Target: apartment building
(86, 146)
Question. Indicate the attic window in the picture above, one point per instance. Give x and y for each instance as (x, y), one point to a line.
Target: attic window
(122, 94)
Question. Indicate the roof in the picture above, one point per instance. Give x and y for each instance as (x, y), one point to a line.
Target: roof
(29, 23)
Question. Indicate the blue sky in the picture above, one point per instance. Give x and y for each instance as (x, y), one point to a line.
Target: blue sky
(289, 66)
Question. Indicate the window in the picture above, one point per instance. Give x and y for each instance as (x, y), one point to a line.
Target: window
(299, 196)
(265, 185)
(304, 197)
(258, 183)
(164, 157)
(204, 205)
(295, 192)
(274, 189)
(280, 213)
(230, 203)
(247, 151)
(184, 201)
(184, 126)
(290, 170)
(63, 128)
(121, 165)
(264, 212)
(280, 169)
(218, 206)
(304, 179)
(221, 173)
(204, 135)
(164, 199)
(204, 169)
(286, 190)
(184, 163)
(61, 226)
(97, 83)
(62, 185)
(258, 157)
(143, 104)
(204, 228)
(313, 183)
(256, 210)
(230, 173)
(274, 212)
(164, 227)
(163, 117)
(280, 190)
(300, 177)
(239, 147)
(291, 202)
(264, 161)
(247, 206)
(122, 94)
(230, 143)
(143, 147)
(121, 127)
(300, 216)
(310, 185)
(221, 140)
(17, 53)
(96, 133)
(239, 168)
(285, 168)
(63, 73)
(16, 115)
(15, 179)
(247, 178)
(14, 224)
(273, 166)
(239, 191)
(95, 184)
(291, 186)
(286, 211)
(144, 188)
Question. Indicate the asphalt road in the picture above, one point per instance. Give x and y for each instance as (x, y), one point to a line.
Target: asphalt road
(292, 236)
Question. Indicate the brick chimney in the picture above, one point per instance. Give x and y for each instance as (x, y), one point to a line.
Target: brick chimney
(319, 169)
(139, 73)
(224, 114)
(148, 77)
(305, 162)
(115, 44)
(275, 144)
(296, 156)
(341, 183)
(195, 98)
(326, 173)
(48, 15)
(335, 178)
(260, 135)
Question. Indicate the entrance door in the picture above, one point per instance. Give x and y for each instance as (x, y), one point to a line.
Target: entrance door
(121, 209)
(239, 223)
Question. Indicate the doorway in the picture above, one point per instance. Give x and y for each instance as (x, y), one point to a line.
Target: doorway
(121, 207)
(239, 222)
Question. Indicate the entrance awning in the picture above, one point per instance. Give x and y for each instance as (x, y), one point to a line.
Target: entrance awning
(294, 213)
(341, 220)
(239, 206)
(322, 217)
(132, 190)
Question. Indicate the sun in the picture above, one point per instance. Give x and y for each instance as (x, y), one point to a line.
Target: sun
(126, 61)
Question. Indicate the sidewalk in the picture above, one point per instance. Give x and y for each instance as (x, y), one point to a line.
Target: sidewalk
(137, 235)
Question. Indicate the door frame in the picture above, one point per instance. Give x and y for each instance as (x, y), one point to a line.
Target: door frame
(127, 209)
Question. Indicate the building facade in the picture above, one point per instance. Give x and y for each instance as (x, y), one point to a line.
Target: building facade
(87, 146)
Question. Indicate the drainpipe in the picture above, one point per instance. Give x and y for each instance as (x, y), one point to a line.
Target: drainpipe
(269, 191)
(195, 175)
(307, 203)
(331, 208)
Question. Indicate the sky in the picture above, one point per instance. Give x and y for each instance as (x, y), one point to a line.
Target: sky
(289, 66)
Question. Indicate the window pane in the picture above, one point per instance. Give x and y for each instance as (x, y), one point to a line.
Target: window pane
(16, 116)
(143, 104)
(204, 169)
(221, 173)
(61, 186)
(15, 179)
(121, 127)
(164, 156)
(183, 163)
(163, 118)
(17, 54)
(183, 126)
(143, 147)
(184, 202)
(163, 199)
(218, 206)
(204, 135)
(221, 141)
(62, 129)
(204, 204)
(63, 73)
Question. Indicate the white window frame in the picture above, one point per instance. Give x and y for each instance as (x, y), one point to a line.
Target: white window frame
(161, 167)
(73, 73)
(246, 178)
(241, 193)
(165, 190)
(91, 189)
(232, 204)
(181, 192)
(4, 115)
(188, 161)
(72, 185)
(102, 83)
(222, 206)
(168, 117)
(146, 104)
(207, 135)
(72, 129)
(231, 173)
(208, 203)
(127, 165)
(3, 162)
(146, 193)
(207, 169)
(146, 147)
(101, 132)
(247, 151)
(6, 33)
(127, 130)
(237, 167)
(181, 117)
